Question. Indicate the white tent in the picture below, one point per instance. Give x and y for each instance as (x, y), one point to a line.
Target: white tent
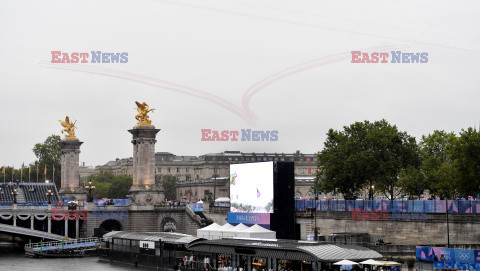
(215, 231)
(257, 231)
(210, 232)
(233, 232)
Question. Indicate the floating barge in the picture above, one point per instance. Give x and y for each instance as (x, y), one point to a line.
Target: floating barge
(165, 251)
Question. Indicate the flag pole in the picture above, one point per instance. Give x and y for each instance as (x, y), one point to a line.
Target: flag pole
(37, 173)
(13, 172)
(29, 171)
(21, 173)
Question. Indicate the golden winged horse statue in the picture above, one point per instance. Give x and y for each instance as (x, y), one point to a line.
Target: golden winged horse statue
(142, 116)
(68, 128)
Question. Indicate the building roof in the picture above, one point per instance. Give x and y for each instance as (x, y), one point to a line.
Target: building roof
(166, 237)
(285, 249)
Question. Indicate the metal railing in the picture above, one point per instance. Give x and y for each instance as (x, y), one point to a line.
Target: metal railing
(195, 265)
(60, 244)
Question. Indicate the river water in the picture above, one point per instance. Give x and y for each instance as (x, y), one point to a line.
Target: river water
(18, 262)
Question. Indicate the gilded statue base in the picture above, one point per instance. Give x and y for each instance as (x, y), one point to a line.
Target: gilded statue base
(144, 123)
(70, 137)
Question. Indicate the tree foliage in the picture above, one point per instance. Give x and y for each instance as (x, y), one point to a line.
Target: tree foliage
(364, 155)
(108, 185)
(49, 155)
(168, 184)
(466, 161)
(436, 151)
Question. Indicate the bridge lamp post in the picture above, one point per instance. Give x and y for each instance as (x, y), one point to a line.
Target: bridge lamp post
(90, 187)
(372, 187)
(14, 193)
(215, 175)
(49, 195)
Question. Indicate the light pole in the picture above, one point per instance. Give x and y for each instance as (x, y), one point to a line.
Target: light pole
(372, 187)
(315, 190)
(49, 195)
(448, 227)
(14, 193)
(90, 187)
(215, 185)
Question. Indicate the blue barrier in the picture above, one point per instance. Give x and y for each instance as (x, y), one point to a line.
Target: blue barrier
(392, 206)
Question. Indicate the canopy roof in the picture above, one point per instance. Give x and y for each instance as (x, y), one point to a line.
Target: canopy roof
(285, 249)
(166, 237)
(212, 227)
(257, 228)
(227, 226)
(371, 262)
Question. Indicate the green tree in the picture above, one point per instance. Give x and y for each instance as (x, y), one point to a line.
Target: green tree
(102, 177)
(168, 184)
(49, 155)
(466, 160)
(412, 181)
(363, 155)
(109, 185)
(120, 187)
(101, 190)
(440, 174)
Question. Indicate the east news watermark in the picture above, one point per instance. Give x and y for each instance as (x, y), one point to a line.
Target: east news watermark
(89, 57)
(247, 135)
(389, 57)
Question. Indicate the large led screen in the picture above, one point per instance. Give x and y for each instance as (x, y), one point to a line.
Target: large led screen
(251, 187)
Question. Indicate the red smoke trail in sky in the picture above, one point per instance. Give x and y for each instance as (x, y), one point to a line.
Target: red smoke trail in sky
(242, 111)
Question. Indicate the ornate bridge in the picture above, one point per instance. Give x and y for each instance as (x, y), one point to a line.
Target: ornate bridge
(29, 232)
(59, 223)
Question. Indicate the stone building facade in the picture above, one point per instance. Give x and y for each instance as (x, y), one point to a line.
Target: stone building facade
(206, 176)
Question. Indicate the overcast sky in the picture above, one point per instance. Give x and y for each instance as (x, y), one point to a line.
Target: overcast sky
(194, 60)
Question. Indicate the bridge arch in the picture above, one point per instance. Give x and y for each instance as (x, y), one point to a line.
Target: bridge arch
(111, 225)
(168, 224)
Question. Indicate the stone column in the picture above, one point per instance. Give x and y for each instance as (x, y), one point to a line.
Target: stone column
(49, 224)
(144, 189)
(71, 187)
(77, 228)
(32, 221)
(66, 227)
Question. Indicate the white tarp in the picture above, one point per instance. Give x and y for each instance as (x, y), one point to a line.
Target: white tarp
(215, 231)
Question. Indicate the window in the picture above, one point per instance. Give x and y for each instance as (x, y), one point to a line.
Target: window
(168, 170)
(178, 169)
(187, 169)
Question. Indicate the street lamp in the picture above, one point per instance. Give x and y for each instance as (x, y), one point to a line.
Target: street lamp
(372, 187)
(215, 175)
(90, 187)
(49, 195)
(14, 193)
